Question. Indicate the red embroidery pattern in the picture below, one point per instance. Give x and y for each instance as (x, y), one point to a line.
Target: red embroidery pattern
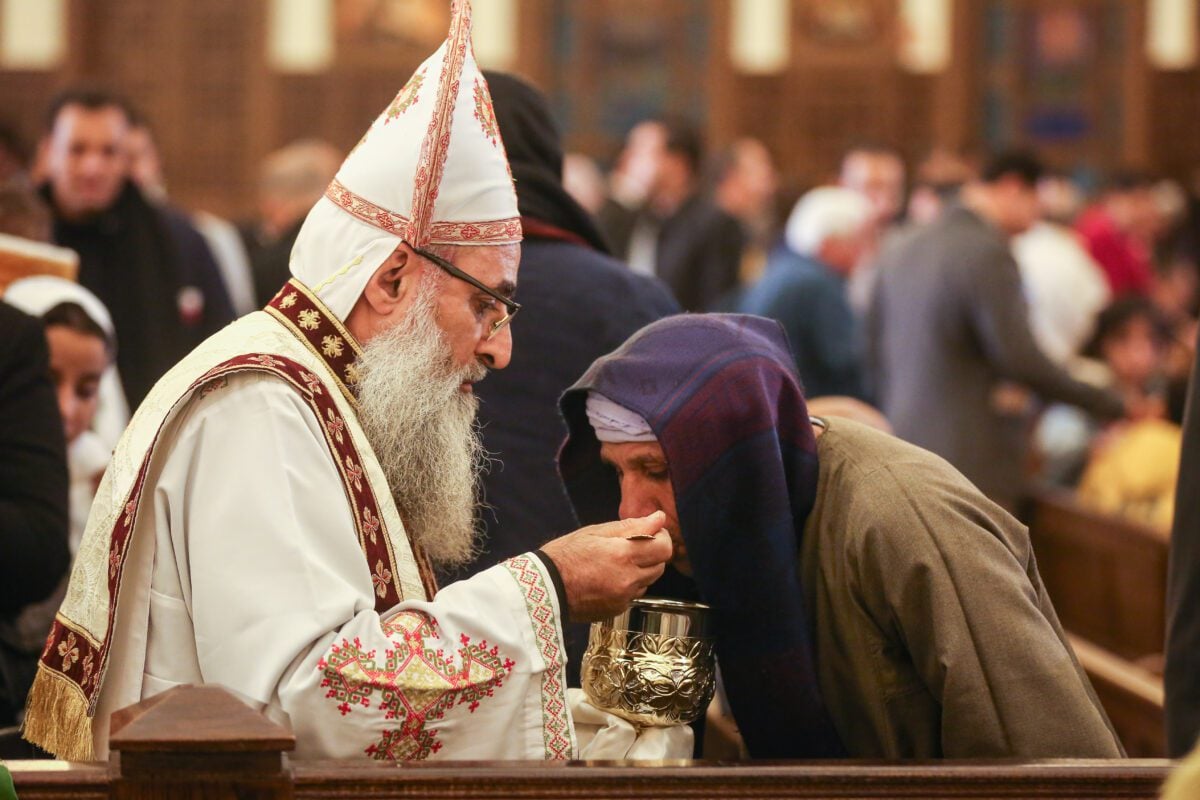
(485, 113)
(501, 231)
(406, 97)
(428, 179)
(555, 725)
(416, 684)
(73, 655)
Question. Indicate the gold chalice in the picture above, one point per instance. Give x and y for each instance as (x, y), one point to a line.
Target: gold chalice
(653, 664)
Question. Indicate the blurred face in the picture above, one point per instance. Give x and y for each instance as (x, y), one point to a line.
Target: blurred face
(880, 178)
(86, 159)
(145, 167)
(843, 253)
(1133, 353)
(1016, 205)
(643, 153)
(757, 175)
(646, 487)
(1059, 198)
(77, 360)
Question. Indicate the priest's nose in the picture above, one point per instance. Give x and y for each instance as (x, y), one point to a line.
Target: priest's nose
(497, 351)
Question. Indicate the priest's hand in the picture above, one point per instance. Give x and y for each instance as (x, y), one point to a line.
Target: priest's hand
(603, 570)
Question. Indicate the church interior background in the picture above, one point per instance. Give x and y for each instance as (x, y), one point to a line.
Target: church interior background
(1093, 84)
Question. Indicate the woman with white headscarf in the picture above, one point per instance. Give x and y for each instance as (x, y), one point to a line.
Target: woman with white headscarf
(82, 344)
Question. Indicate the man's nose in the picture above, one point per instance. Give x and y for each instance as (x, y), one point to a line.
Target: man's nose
(635, 504)
(93, 163)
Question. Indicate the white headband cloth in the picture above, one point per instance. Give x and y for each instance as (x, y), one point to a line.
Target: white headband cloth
(616, 424)
(38, 294)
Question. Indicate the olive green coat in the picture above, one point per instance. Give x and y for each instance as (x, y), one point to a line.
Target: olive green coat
(933, 633)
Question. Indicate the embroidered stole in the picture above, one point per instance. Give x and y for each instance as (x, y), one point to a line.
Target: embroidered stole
(298, 341)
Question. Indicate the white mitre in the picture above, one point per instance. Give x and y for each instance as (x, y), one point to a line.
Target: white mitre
(454, 188)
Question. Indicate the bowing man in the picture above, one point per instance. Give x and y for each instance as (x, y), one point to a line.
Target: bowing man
(867, 600)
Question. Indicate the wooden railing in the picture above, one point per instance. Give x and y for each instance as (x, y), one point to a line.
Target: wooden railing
(1107, 578)
(201, 742)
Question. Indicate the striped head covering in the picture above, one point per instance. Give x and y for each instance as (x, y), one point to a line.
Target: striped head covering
(721, 395)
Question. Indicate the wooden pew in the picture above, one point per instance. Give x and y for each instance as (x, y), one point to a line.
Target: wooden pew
(192, 742)
(1132, 696)
(1107, 577)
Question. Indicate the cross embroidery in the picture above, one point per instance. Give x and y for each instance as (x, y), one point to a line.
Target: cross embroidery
(413, 684)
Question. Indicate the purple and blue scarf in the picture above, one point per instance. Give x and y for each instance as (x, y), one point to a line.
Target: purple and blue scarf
(721, 394)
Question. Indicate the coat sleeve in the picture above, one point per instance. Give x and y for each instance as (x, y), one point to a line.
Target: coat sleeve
(33, 467)
(1000, 318)
(951, 579)
(282, 604)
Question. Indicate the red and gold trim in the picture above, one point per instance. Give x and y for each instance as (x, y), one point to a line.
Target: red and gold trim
(556, 726)
(73, 662)
(501, 231)
(311, 322)
(428, 178)
(322, 332)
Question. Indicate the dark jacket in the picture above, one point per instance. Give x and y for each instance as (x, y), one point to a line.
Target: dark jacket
(699, 250)
(578, 303)
(809, 300)
(1182, 676)
(33, 466)
(158, 279)
(948, 324)
(33, 491)
(270, 261)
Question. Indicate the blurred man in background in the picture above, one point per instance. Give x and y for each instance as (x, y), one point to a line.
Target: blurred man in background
(165, 297)
(678, 233)
(290, 181)
(217, 234)
(949, 326)
(805, 289)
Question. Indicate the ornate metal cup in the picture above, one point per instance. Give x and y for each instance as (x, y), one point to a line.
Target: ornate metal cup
(653, 664)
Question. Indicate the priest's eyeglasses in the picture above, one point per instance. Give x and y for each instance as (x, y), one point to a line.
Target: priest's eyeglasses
(511, 307)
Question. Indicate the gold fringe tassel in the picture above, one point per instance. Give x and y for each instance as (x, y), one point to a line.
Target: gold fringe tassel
(56, 717)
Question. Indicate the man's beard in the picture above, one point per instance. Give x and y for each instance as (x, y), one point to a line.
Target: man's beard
(423, 431)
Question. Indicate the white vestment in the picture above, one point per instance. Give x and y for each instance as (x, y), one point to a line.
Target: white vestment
(239, 552)
(259, 584)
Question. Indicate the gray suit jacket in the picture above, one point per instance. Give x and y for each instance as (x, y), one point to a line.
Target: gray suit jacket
(948, 323)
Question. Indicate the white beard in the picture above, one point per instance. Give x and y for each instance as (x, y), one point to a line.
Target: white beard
(423, 431)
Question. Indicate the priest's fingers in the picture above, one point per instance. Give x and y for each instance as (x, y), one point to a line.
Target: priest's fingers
(602, 572)
(653, 551)
(647, 578)
(634, 526)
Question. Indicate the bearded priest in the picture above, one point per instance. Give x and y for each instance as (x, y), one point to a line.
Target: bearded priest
(272, 514)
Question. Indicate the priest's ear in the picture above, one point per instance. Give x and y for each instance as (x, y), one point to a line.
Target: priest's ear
(389, 290)
(388, 294)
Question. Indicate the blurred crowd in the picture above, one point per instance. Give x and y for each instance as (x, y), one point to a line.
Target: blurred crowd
(1106, 275)
(890, 298)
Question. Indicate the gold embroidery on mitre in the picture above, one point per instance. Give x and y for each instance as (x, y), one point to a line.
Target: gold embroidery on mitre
(486, 114)
(406, 97)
